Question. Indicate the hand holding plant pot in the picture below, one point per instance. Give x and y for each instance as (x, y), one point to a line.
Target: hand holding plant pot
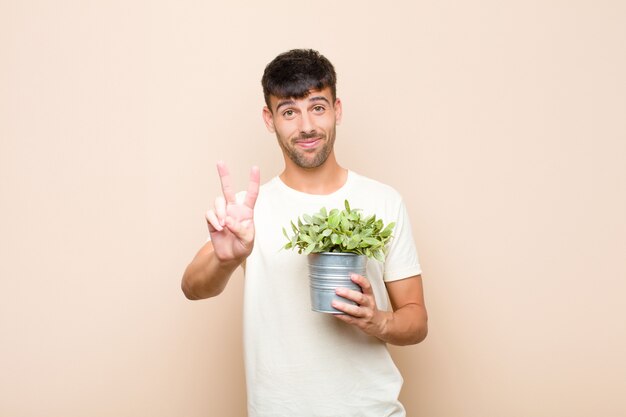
(337, 243)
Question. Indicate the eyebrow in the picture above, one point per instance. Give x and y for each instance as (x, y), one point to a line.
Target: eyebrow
(320, 98)
(285, 103)
(292, 102)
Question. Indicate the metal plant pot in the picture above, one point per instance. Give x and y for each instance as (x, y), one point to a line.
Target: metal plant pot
(329, 271)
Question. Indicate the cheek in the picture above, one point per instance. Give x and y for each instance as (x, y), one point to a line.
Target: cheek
(327, 125)
(286, 131)
(327, 121)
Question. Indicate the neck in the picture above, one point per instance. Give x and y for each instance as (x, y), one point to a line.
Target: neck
(325, 179)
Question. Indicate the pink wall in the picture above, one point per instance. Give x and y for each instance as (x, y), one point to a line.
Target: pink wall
(502, 125)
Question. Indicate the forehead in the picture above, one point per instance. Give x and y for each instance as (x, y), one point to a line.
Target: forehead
(323, 95)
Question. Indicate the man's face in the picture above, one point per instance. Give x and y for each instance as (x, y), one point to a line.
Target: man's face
(305, 128)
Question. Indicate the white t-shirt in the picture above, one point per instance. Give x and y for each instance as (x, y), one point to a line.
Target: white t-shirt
(301, 363)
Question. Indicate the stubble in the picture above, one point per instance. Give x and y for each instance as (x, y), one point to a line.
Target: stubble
(301, 157)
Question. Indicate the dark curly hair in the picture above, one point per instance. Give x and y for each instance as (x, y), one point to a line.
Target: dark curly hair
(292, 74)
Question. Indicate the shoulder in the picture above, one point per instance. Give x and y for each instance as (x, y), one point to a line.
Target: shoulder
(375, 188)
(373, 196)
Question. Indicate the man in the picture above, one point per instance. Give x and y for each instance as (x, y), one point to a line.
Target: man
(299, 362)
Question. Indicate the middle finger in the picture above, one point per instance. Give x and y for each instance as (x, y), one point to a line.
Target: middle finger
(352, 295)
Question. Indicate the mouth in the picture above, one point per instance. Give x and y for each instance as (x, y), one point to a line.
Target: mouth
(308, 143)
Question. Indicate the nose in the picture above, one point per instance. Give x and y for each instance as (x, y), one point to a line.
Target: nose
(306, 123)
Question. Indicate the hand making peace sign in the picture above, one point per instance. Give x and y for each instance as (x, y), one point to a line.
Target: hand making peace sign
(231, 224)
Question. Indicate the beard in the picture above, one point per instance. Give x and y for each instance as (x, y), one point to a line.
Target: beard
(302, 158)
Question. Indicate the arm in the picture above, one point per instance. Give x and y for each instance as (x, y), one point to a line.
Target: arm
(408, 323)
(206, 276)
(231, 226)
(405, 325)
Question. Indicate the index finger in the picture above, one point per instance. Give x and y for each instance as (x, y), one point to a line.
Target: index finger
(253, 187)
(227, 188)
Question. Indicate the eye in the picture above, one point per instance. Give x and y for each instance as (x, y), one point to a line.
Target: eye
(319, 109)
(288, 114)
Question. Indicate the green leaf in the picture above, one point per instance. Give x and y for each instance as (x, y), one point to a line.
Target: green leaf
(387, 231)
(318, 218)
(345, 224)
(333, 220)
(379, 256)
(307, 218)
(309, 249)
(327, 232)
(307, 239)
(372, 241)
(353, 242)
(345, 203)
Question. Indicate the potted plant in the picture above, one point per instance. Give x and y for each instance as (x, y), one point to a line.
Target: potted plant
(337, 243)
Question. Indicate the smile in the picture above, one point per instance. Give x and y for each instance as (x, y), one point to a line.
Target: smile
(308, 143)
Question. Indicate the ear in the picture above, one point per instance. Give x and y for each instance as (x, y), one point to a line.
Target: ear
(268, 118)
(338, 112)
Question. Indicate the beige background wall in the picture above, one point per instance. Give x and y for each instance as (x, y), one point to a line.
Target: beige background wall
(502, 123)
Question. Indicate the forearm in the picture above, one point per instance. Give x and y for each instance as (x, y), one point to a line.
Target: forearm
(407, 325)
(206, 276)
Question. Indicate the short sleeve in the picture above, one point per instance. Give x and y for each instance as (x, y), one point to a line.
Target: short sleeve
(401, 260)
